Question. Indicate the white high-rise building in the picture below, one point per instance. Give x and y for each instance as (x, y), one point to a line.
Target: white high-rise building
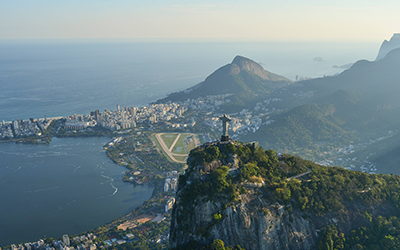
(15, 125)
(174, 184)
(66, 239)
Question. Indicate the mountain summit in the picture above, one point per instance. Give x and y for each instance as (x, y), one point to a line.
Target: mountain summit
(241, 76)
(388, 46)
(249, 65)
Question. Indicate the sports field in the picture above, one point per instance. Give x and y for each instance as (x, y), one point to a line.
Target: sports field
(169, 139)
(176, 146)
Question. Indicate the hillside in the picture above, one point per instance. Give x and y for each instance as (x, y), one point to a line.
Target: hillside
(244, 196)
(243, 77)
(302, 127)
(363, 105)
(383, 153)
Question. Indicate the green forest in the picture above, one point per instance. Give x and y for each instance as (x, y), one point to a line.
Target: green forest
(348, 195)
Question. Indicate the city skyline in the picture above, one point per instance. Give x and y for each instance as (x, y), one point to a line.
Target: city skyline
(201, 20)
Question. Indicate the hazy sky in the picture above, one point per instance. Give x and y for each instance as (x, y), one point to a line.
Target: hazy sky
(193, 19)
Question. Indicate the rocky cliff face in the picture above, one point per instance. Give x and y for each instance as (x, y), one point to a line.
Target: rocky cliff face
(253, 219)
(252, 223)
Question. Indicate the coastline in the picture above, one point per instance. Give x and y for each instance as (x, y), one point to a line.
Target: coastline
(155, 182)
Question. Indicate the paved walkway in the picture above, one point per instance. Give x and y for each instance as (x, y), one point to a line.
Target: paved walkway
(299, 175)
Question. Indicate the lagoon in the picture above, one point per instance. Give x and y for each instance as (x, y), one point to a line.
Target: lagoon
(67, 187)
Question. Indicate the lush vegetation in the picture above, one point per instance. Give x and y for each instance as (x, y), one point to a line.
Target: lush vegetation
(382, 233)
(51, 130)
(322, 191)
(329, 189)
(255, 165)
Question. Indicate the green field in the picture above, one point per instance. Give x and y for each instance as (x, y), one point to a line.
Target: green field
(180, 158)
(179, 147)
(169, 139)
(160, 148)
(185, 139)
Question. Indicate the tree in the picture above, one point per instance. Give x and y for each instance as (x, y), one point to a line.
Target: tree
(217, 245)
(218, 177)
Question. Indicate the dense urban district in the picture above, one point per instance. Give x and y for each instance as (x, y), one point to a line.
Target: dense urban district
(198, 115)
(152, 142)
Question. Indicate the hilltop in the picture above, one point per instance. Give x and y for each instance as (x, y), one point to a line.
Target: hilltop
(244, 196)
(244, 79)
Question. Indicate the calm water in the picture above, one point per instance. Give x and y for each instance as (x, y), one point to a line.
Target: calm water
(69, 186)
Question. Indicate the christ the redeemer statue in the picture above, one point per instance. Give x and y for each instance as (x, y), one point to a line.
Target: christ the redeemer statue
(225, 119)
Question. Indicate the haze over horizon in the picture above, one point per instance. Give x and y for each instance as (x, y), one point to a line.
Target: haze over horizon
(258, 20)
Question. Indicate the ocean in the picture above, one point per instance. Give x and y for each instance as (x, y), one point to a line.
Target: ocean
(70, 186)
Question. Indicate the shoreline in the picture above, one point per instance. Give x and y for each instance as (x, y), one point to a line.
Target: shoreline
(155, 184)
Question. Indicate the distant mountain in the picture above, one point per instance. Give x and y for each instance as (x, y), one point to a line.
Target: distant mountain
(360, 104)
(243, 76)
(303, 126)
(364, 76)
(387, 46)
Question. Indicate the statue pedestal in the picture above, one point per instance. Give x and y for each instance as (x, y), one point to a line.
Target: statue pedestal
(224, 138)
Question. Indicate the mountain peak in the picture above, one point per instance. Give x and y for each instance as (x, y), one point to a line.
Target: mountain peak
(246, 64)
(241, 76)
(388, 46)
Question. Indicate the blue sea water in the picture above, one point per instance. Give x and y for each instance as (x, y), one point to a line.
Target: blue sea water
(69, 186)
